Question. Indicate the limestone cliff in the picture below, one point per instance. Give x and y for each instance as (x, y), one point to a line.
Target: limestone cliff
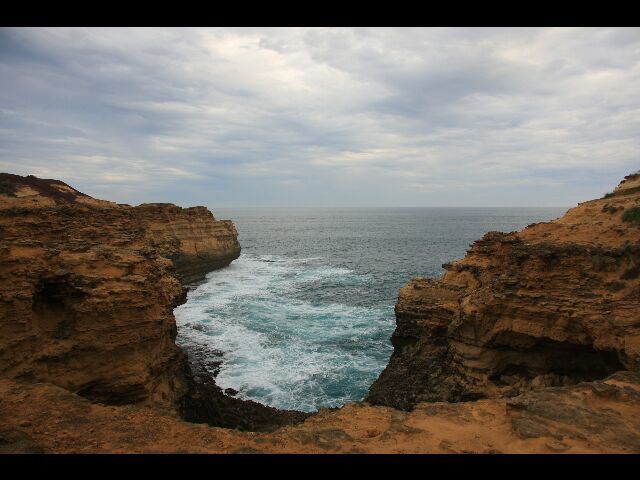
(552, 305)
(191, 238)
(88, 287)
(539, 329)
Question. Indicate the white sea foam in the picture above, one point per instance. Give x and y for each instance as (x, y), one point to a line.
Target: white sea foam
(280, 348)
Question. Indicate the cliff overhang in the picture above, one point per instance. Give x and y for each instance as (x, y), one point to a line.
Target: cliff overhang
(553, 305)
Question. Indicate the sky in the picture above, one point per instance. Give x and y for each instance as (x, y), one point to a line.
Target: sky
(243, 117)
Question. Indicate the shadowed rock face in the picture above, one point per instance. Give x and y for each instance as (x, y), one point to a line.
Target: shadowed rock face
(552, 305)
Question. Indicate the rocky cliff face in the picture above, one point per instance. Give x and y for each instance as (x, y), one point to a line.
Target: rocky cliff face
(553, 305)
(537, 329)
(88, 287)
(87, 292)
(191, 238)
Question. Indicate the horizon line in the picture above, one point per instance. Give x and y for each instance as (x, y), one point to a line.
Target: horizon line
(401, 206)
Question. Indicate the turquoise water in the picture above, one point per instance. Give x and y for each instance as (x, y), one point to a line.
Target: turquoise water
(302, 319)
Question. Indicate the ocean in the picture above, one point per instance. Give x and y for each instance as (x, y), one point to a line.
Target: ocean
(303, 319)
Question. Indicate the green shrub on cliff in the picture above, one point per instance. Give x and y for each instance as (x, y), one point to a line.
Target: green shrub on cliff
(632, 215)
(7, 188)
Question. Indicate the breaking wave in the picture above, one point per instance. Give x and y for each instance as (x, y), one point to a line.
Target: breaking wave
(280, 344)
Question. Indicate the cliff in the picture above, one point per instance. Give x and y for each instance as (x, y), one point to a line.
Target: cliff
(553, 305)
(528, 344)
(194, 241)
(86, 300)
(87, 292)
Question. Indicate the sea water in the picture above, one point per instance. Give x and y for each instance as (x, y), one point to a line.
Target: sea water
(303, 319)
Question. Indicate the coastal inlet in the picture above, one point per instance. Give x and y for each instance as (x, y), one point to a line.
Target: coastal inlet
(303, 319)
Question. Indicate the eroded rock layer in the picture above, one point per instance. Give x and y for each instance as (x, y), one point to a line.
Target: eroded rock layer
(88, 287)
(552, 305)
(191, 238)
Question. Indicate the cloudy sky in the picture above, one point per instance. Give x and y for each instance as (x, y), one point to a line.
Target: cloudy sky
(323, 117)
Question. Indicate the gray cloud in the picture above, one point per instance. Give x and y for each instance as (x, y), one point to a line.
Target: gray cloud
(364, 116)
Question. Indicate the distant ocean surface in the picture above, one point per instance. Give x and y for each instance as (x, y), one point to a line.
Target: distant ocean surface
(303, 318)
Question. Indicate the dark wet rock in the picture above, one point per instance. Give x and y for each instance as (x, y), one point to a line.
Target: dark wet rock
(205, 402)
